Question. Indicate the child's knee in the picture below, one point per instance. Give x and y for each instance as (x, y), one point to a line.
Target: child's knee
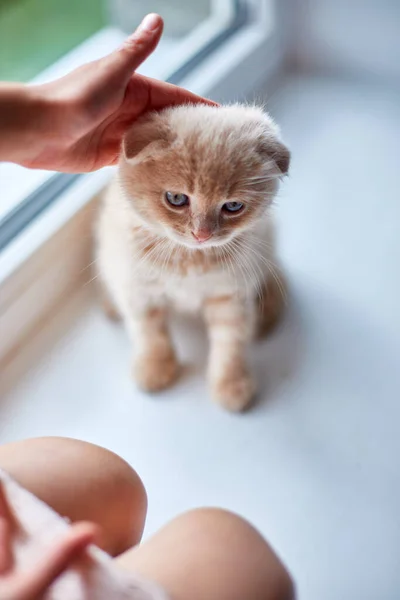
(233, 544)
(118, 496)
(82, 482)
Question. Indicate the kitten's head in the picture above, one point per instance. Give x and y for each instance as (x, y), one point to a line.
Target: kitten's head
(201, 175)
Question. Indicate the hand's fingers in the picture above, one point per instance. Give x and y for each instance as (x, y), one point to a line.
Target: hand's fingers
(6, 557)
(137, 47)
(34, 584)
(163, 94)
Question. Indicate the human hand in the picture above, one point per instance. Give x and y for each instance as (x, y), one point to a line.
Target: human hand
(32, 584)
(89, 110)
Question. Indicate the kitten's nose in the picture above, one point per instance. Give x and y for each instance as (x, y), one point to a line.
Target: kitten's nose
(202, 235)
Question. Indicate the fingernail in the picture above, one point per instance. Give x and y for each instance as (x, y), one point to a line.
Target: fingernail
(151, 22)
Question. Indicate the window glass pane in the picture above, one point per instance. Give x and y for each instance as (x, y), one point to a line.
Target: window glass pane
(36, 33)
(180, 15)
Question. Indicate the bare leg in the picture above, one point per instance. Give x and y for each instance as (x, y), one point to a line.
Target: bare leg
(211, 554)
(155, 364)
(229, 329)
(204, 554)
(84, 483)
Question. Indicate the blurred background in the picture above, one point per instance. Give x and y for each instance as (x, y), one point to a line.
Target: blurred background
(356, 37)
(36, 33)
(316, 465)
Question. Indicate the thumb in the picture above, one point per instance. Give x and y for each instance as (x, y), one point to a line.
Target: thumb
(138, 46)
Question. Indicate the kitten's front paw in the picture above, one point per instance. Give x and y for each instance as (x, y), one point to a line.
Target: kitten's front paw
(156, 372)
(234, 390)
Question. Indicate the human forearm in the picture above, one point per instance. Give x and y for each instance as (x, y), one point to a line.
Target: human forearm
(25, 116)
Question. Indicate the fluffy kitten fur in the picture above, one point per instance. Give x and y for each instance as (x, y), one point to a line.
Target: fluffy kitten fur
(149, 254)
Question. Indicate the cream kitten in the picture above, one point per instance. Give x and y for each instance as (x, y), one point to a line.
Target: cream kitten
(186, 225)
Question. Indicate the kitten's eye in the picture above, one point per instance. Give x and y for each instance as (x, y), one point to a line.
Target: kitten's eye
(233, 207)
(177, 199)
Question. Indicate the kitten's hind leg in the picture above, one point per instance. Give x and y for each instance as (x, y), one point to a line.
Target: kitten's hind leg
(271, 304)
(155, 365)
(228, 320)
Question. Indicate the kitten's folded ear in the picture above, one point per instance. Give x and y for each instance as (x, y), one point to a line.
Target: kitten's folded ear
(271, 148)
(146, 139)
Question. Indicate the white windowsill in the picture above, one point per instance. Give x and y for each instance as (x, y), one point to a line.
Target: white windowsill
(315, 465)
